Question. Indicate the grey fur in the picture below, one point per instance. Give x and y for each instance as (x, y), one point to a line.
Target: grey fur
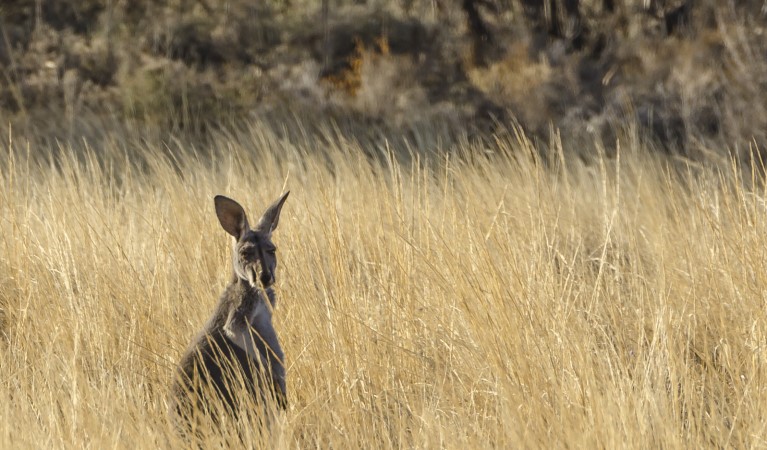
(238, 348)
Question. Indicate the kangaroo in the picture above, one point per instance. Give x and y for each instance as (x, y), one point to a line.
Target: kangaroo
(238, 346)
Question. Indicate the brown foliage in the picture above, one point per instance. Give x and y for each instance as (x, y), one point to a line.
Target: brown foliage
(682, 72)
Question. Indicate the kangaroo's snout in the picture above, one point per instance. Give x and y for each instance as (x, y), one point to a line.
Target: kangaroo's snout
(267, 277)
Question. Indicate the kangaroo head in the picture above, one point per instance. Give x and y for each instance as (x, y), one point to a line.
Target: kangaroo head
(254, 254)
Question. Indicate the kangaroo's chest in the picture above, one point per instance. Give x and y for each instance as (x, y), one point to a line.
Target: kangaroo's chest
(252, 334)
(259, 323)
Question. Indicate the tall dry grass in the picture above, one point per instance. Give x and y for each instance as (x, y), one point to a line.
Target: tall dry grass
(446, 302)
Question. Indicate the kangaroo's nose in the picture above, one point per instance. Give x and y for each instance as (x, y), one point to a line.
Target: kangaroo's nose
(267, 277)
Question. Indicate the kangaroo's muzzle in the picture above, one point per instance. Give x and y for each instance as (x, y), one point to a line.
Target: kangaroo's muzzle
(267, 278)
(267, 275)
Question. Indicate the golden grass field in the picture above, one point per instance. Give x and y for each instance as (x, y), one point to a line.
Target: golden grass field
(443, 302)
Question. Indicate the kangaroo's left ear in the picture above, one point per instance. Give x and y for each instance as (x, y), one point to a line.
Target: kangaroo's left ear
(271, 217)
(231, 216)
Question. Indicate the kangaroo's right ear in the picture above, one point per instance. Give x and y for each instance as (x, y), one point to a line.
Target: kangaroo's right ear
(268, 222)
(231, 215)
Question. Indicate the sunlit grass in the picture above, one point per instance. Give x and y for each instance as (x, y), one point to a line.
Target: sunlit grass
(443, 302)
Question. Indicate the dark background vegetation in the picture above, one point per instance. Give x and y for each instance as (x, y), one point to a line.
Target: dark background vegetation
(688, 76)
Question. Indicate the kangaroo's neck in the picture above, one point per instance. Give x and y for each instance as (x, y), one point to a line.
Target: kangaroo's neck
(242, 287)
(245, 305)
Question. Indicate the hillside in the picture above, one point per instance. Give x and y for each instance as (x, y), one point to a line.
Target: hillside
(689, 76)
